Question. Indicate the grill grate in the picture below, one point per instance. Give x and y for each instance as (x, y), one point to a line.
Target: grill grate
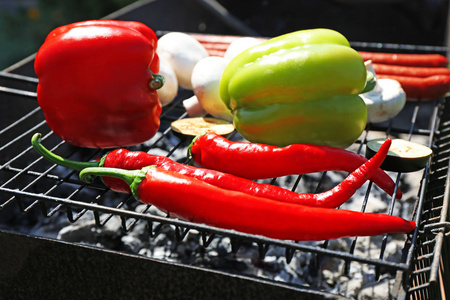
(40, 190)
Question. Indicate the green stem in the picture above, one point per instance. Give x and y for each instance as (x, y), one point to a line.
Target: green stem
(56, 159)
(189, 152)
(157, 82)
(132, 177)
(371, 81)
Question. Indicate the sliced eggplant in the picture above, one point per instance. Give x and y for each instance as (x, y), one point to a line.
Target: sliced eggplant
(195, 126)
(403, 156)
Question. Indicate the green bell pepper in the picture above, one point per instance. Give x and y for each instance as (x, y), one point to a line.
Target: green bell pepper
(298, 88)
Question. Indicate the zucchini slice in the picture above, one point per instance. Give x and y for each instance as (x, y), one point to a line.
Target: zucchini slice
(403, 156)
(196, 126)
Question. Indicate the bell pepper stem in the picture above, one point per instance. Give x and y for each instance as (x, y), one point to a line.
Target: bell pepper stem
(371, 81)
(61, 161)
(132, 177)
(156, 82)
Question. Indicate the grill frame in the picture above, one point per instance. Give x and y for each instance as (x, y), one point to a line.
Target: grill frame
(418, 271)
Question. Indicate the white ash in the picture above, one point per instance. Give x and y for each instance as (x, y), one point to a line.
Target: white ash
(379, 290)
(85, 231)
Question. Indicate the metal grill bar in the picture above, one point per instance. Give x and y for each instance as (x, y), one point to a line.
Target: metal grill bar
(73, 219)
(431, 214)
(43, 175)
(390, 47)
(17, 92)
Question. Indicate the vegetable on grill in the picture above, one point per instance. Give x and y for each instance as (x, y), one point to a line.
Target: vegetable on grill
(199, 125)
(403, 156)
(197, 201)
(259, 161)
(169, 91)
(239, 45)
(97, 83)
(300, 87)
(385, 100)
(182, 52)
(205, 81)
(131, 160)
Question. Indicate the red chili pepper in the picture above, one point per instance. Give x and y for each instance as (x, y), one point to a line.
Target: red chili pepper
(197, 201)
(423, 88)
(132, 160)
(416, 60)
(383, 69)
(97, 86)
(259, 161)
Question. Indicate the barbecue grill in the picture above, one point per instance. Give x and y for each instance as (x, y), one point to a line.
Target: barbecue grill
(41, 203)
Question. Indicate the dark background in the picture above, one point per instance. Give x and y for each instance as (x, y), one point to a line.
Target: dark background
(25, 23)
(395, 21)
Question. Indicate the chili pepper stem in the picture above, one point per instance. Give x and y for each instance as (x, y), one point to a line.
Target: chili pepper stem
(56, 159)
(132, 177)
(189, 152)
(156, 82)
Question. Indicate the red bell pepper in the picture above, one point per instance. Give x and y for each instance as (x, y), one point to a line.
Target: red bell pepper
(97, 83)
(197, 201)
